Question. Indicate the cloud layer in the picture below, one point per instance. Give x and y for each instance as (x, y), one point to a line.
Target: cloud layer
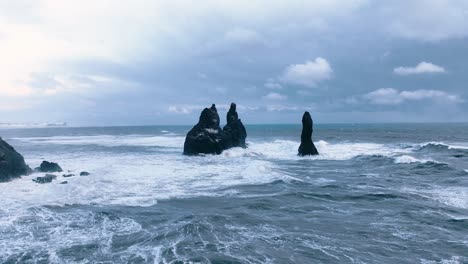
(390, 96)
(422, 67)
(309, 73)
(161, 62)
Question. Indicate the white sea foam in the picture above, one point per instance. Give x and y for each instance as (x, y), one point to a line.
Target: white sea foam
(452, 260)
(135, 179)
(141, 179)
(64, 231)
(277, 149)
(409, 159)
(110, 141)
(454, 145)
(286, 149)
(451, 196)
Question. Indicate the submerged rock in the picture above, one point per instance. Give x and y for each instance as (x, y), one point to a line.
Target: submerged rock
(307, 147)
(84, 173)
(234, 131)
(49, 167)
(206, 136)
(68, 175)
(46, 179)
(12, 164)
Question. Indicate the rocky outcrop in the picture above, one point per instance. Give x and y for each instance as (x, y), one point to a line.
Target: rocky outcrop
(45, 179)
(49, 167)
(307, 147)
(206, 136)
(12, 164)
(234, 131)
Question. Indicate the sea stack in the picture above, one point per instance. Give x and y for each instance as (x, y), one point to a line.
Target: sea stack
(206, 136)
(234, 131)
(49, 167)
(12, 164)
(307, 147)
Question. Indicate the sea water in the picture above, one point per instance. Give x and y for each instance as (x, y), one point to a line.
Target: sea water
(395, 193)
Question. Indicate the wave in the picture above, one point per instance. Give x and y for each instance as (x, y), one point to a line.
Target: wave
(287, 150)
(168, 141)
(406, 159)
(136, 179)
(450, 196)
(276, 149)
(437, 146)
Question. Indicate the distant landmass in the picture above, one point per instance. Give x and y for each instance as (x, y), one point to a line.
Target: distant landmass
(33, 125)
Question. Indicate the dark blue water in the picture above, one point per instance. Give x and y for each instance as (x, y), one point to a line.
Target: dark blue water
(377, 194)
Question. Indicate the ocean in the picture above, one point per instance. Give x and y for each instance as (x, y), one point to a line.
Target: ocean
(377, 193)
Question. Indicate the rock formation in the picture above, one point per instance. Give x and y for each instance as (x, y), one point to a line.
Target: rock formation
(12, 164)
(46, 179)
(234, 130)
(307, 147)
(49, 167)
(206, 136)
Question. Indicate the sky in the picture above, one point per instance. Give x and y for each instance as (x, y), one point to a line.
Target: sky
(150, 62)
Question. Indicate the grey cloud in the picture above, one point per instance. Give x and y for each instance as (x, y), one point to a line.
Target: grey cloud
(252, 53)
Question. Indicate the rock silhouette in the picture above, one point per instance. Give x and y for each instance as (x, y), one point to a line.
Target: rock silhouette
(12, 164)
(49, 167)
(307, 147)
(45, 179)
(234, 131)
(206, 136)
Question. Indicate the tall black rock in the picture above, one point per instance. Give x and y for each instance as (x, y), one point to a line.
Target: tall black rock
(307, 147)
(12, 164)
(234, 131)
(206, 136)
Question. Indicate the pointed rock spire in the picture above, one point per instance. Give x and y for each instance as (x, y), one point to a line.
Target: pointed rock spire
(307, 147)
(206, 136)
(234, 131)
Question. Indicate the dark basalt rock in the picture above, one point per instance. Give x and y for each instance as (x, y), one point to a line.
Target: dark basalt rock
(234, 131)
(12, 164)
(307, 147)
(49, 167)
(206, 136)
(84, 173)
(46, 179)
(68, 175)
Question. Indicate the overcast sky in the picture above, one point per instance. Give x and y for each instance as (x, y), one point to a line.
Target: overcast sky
(99, 62)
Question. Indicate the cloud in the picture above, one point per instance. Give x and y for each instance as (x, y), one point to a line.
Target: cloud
(243, 36)
(19, 91)
(189, 109)
(390, 96)
(275, 96)
(424, 20)
(272, 84)
(309, 73)
(179, 110)
(137, 58)
(422, 67)
(277, 108)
